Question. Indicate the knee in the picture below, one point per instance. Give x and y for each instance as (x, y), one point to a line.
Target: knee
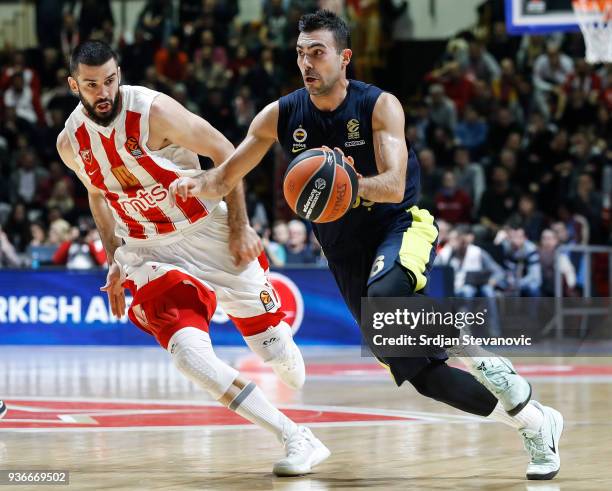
(193, 355)
(396, 283)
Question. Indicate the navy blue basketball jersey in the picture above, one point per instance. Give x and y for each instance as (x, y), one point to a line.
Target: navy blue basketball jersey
(302, 126)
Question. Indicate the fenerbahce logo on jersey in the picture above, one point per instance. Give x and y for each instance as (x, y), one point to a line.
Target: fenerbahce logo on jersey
(353, 136)
(299, 137)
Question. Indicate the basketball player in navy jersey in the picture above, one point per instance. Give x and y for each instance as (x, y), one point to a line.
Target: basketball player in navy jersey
(385, 245)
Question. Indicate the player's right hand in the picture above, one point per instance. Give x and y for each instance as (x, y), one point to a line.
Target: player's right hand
(114, 290)
(184, 188)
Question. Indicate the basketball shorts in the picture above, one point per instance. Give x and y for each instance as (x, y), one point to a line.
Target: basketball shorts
(200, 258)
(411, 243)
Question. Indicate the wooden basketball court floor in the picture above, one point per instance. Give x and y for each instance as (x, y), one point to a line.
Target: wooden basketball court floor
(124, 418)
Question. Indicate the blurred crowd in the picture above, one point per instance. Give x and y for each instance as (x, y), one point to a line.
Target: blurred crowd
(513, 133)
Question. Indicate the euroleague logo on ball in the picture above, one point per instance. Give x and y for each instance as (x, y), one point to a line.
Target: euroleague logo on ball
(291, 300)
(320, 184)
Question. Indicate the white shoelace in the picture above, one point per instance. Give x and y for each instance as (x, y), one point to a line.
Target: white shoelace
(296, 445)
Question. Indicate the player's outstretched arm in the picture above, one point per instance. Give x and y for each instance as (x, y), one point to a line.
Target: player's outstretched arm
(105, 222)
(391, 153)
(170, 121)
(218, 182)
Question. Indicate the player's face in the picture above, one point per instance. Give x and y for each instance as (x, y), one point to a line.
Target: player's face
(321, 64)
(98, 90)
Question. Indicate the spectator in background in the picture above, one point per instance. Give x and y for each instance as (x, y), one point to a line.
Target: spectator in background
(529, 217)
(503, 125)
(83, 251)
(136, 57)
(476, 273)
(452, 203)
(501, 45)
(8, 254)
(444, 229)
(431, 178)
(584, 79)
(507, 88)
(61, 198)
(60, 98)
(212, 73)
(577, 112)
(457, 85)
(17, 227)
(59, 229)
(244, 110)
(550, 72)
(56, 174)
(442, 111)
(171, 61)
(25, 102)
(484, 101)
(588, 203)
(480, 64)
(470, 176)
(522, 263)
(26, 180)
(298, 249)
(69, 35)
(153, 19)
(498, 201)
(276, 246)
(38, 234)
(549, 243)
(472, 131)
(179, 93)
(93, 15)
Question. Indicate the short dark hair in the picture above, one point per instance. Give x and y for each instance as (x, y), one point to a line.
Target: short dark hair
(93, 53)
(325, 19)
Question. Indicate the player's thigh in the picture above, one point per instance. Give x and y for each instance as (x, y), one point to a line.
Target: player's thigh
(411, 244)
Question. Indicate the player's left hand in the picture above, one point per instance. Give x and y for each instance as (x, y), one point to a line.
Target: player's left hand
(244, 244)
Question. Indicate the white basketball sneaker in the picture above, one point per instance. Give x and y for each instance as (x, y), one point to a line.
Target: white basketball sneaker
(543, 445)
(498, 375)
(289, 365)
(304, 451)
(3, 409)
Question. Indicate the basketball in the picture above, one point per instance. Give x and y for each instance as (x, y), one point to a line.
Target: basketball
(320, 185)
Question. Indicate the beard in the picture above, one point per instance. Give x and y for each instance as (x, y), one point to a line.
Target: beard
(102, 119)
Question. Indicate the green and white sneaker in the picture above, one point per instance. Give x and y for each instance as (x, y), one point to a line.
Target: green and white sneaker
(543, 445)
(3, 409)
(498, 375)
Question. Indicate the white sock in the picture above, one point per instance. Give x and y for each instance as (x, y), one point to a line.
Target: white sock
(252, 404)
(192, 352)
(530, 418)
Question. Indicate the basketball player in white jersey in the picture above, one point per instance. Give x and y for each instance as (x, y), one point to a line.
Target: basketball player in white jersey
(2, 409)
(127, 144)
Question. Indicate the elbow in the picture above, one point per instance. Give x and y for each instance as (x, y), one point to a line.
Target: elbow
(396, 198)
(398, 195)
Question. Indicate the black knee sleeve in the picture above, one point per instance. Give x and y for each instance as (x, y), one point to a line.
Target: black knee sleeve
(398, 282)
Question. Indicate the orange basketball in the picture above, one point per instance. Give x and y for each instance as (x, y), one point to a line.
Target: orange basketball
(320, 185)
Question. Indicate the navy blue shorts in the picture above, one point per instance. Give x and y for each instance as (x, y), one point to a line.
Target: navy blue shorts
(411, 243)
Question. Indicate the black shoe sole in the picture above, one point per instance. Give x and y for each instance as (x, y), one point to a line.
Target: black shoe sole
(519, 408)
(542, 477)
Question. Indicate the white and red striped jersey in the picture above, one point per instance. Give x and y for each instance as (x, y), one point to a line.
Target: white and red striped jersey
(133, 178)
